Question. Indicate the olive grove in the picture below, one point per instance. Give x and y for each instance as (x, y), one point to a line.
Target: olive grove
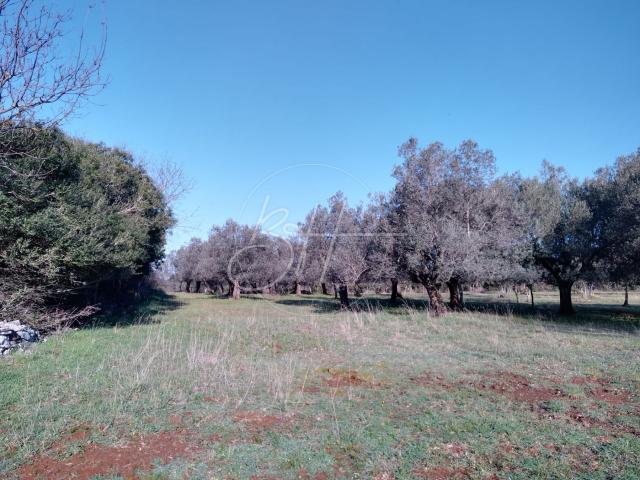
(449, 223)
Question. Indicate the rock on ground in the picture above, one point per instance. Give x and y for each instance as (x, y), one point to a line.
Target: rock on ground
(14, 335)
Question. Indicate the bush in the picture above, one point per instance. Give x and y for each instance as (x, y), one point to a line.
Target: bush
(80, 225)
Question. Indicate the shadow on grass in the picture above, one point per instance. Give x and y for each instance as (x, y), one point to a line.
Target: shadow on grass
(592, 316)
(600, 316)
(329, 304)
(139, 313)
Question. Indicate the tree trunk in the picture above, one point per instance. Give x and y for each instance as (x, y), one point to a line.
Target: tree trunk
(235, 290)
(395, 293)
(335, 291)
(626, 296)
(436, 305)
(530, 287)
(187, 286)
(324, 289)
(298, 289)
(344, 296)
(456, 300)
(566, 306)
(198, 285)
(515, 290)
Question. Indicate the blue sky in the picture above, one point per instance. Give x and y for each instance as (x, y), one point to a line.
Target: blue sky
(282, 103)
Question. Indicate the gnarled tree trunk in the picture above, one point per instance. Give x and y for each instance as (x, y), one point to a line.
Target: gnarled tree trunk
(236, 290)
(187, 286)
(298, 289)
(566, 306)
(324, 288)
(344, 296)
(456, 298)
(395, 292)
(530, 287)
(436, 305)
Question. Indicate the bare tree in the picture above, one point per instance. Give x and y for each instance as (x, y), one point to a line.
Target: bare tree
(39, 80)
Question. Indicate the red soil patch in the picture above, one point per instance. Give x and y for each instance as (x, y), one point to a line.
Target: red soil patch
(214, 437)
(259, 421)
(610, 395)
(345, 379)
(456, 449)
(604, 392)
(506, 447)
(518, 388)
(384, 476)
(429, 380)
(175, 420)
(586, 421)
(213, 399)
(588, 379)
(441, 473)
(136, 455)
(304, 475)
(348, 378)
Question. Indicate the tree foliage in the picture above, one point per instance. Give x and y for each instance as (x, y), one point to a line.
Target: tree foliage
(449, 222)
(80, 223)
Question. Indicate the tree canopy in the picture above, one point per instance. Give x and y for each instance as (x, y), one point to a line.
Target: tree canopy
(79, 223)
(449, 222)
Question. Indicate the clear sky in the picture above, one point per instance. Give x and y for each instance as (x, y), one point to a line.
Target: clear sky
(284, 102)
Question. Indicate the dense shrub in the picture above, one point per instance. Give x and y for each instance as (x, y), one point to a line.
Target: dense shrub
(80, 225)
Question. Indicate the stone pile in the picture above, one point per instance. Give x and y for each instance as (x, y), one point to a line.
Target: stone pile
(14, 335)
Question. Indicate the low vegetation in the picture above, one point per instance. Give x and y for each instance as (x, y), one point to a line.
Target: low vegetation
(293, 387)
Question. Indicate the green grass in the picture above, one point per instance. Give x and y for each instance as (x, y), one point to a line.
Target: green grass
(276, 387)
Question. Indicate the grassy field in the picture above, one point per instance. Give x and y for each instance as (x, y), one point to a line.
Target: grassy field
(191, 386)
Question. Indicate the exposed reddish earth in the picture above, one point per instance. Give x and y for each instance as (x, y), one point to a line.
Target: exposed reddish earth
(588, 379)
(258, 421)
(586, 421)
(610, 395)
(127, 460)
(213, 399)
(518, 388)
(348, 378)
(304, 475)
(428, 379)
(384, 476)
(456, 449)
(441, 473)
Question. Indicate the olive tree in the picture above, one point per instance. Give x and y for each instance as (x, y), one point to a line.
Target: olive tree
(451, 216)
(564, 228)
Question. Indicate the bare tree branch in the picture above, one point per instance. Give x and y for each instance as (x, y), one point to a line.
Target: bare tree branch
(39, 81)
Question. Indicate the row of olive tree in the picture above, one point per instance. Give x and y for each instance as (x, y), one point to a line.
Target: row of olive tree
(450, 221)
